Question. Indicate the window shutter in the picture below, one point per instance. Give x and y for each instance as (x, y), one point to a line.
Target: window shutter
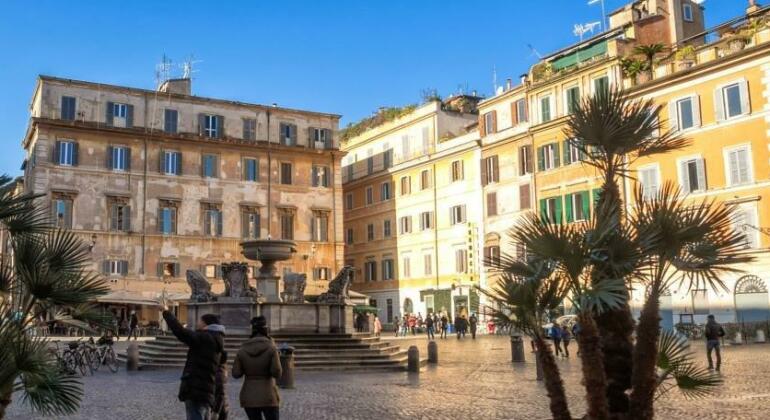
(293, 134)
(700, 165)
(719, 106)
(586, 204)
(207, 222)
(201, 123)
(219, 223)
(462, 214)
(68, 214)
(55, 151)
(514, 113)
(75, 153)
(491, 204)
(114, 217)
(556, 154)
(482, 126)
(311, 137)
(745, 99)
(484, 164)
(743, 165)
(128, 158)
(176, 269)
(106, 266)
(123, 267)
(541, 159)
(178, 163)
(314, 176)
(324, 228)
(160, 269)
(173, 220)
(568, 208)
(565, 150)
(543, 209)
(329, 139)
(558, 207)
(673, 120)
(109, 115)
(220, 126)
(109, 157)
(126, 218)
(684, 177)
(495, 169)
(129, 116)
(494, 121)
(524, 197)
(695, 100)
(162, 161)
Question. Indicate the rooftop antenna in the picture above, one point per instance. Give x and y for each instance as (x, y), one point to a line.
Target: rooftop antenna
(187, 67)
(592, 2)
(534, 52)
(581, 29)
(163, 71)
(494, 79)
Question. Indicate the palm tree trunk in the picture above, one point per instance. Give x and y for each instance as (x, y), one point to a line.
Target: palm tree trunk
(5, 398)
(644, 379)
(592, 362)
(553, 383)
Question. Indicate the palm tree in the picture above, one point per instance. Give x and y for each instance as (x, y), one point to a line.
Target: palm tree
(45, 270)
(688, 244)
(612, 131)
(650, 51)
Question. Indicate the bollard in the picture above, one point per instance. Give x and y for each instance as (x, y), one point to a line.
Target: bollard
(760, 336)
(432, 352)
(738, 338)
(286, 380)
(538, 366)
(517, 349)
(413, 359)
(132, 357)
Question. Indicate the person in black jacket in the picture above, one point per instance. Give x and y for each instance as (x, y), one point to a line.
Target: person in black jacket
(713, 332)
(198, 382)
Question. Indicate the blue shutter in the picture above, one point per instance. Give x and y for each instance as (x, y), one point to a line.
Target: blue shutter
(178, 163)
(109, 157)
(110, 110)
(74, 153)
(129, 116)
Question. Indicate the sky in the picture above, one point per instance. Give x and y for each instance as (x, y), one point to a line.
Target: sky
(347, 57)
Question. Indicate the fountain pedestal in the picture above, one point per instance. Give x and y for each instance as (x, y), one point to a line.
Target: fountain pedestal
(268, 251)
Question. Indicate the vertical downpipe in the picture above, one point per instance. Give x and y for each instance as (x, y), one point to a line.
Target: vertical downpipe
(334, 207)
(269, 181)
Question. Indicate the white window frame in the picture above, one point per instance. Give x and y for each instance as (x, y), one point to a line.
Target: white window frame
(210, 127)
(66, 153)
(681, 175)
(595, 79)
(723, 97)
(750, 231)
(549, 156)
(387, 269)
(369, 195)
(385, 187)
(458, 214)
(687, 14)
(521, 110)
(115, 268)
(656, 168)
(426, 220)
(119, 158)
(170, 158)
(728, 176)
(566, 96)
(489, 122)
(574, 152)
(575, 207)
(119, 110)
(695, 109)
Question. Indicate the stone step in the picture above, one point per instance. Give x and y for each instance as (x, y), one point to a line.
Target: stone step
(303, 354)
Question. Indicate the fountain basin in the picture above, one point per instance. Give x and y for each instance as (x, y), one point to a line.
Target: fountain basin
(268, 249)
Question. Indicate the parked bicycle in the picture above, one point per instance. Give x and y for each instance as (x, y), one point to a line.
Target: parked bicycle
(76, 356)
(102, 353)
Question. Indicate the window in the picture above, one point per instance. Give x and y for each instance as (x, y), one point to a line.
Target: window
(320, 226)
(387, 269)
(68, 108)
(389, 310)
(287, 224)
(370, 232)
(369, 165)
(457, 171)
(250, 223)
(321, 138)
(370, 271)
(66, 153)
(427, 264)
(426, 220)
(321, 273)
(732, 100)
(744, 221)
(349, 201)
(119, 110)
(211, 126)
(521, 111)
(687, 114)
(700, 302)
(489, 170)
(120, 215)
(545, 109)
(170, 121)
(425, 180)
(692, 175)
(385, 193)
(349, 236)
(426, 140)
(369, 196)
(525, 202)
(492, 204)
(405, 224)
(211, 271)
(405, 149)
(572, 98)
(287, 134)
(212, 221)
(457, 214)
(492, 256)
(406, 185)
(286, 173)
(578, 207)
(525, 160)
(387, 158)
(62, 212)
(572, 153)
(461, 261)
(550, 209)
(490, 122)
(320, 176)
(649, 178)
(739, 166)
(601, 84)
(209, 166)
(406, 266)
(548, 157)
(249, 129)
(687, 12)
(115, 267)
(167, 219)
(119, 158)
(386, 229)
(120, 115)
(171, 162)
(168, 269)
(250, 169)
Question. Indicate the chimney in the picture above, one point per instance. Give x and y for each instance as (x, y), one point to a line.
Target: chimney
(524, 79)
(508, 84)
(177, 86)
(473, 92)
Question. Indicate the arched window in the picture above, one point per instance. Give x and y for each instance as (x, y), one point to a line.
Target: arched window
(751, 299)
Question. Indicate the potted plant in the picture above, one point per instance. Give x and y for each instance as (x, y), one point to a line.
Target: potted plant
(635, 69)
(685, 57)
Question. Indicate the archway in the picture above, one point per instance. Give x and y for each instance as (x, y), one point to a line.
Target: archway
(751, 299)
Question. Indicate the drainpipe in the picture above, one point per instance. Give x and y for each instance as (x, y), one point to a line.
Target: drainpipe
(269, 180)
(435, 224)
(334, 209)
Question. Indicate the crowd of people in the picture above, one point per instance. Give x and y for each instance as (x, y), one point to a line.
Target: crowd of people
(416, 324)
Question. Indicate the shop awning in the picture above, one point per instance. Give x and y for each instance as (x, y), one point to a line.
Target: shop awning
(125, 297)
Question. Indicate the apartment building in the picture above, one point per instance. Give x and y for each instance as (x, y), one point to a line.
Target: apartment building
(161, 181)
(413, 210)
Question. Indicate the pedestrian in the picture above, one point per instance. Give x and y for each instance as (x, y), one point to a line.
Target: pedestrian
(575, 332)
(377, 326)
(221, 409)
(556, 337)
(396, 326)
(359, 321)
(473, 321)
(259, 362)
(429, 328)
(713, 332)
(405, 325)
(205, 347)
(565, 339)
(444, 325)
(412, 324)
(133, 327)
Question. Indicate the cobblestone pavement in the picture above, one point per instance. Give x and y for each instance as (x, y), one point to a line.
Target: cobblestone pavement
(473, 380)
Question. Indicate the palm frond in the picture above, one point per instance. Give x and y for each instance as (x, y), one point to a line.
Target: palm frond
(676, 367)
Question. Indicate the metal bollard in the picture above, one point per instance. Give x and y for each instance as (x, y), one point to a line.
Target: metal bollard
(413, 359)
(517, 349)
(132, 357)
(287, 367)
(432, 352)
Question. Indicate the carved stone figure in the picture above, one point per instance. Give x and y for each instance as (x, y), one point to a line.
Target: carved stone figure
(201, 288)
(294, 287)
(235, 276)
(338, 288)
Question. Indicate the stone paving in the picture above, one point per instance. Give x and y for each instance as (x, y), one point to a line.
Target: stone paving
(474, 380)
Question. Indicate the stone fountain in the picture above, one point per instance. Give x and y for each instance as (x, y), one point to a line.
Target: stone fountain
(332, 313)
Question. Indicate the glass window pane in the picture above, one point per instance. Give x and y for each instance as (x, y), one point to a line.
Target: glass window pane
(732, 100)
(685, 114)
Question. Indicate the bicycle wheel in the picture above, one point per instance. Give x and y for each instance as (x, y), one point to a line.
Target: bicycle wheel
(70, 362)
(82, 363)
(111, 360)
(95, 359)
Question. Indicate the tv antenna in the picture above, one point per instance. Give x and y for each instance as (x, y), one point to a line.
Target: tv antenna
(494, 79)
(592, 2)
(581, 29)
(534, 52)
(163, 70)
(187, 67)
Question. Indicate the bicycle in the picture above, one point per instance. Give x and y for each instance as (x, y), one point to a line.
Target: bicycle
(62, 363)
(102, 353)
(76, 358)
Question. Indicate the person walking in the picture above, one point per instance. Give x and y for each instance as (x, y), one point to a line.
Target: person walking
(444, 325)
(133, 327)
(713, 332)
(259, 362)
(429, 328)
(473, 321)
(397, 326)
(205, 346)
(556, 337)
(221, 409)
(405, 325)
(575, 332)
(412, 324)
(565, 339)
(377, 326)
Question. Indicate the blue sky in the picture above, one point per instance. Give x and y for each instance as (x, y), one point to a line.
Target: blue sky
(345, 57)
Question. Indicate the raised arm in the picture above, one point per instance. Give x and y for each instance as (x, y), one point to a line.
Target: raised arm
(183, 334)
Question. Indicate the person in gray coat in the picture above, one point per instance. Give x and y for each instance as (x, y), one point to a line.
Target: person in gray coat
(258, 361)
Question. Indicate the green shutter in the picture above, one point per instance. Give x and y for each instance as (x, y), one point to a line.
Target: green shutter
(558, 212)
(556, 154)
(543, 209)
(565, 150)
(586, 204)
(570, 217)
(541, 159)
